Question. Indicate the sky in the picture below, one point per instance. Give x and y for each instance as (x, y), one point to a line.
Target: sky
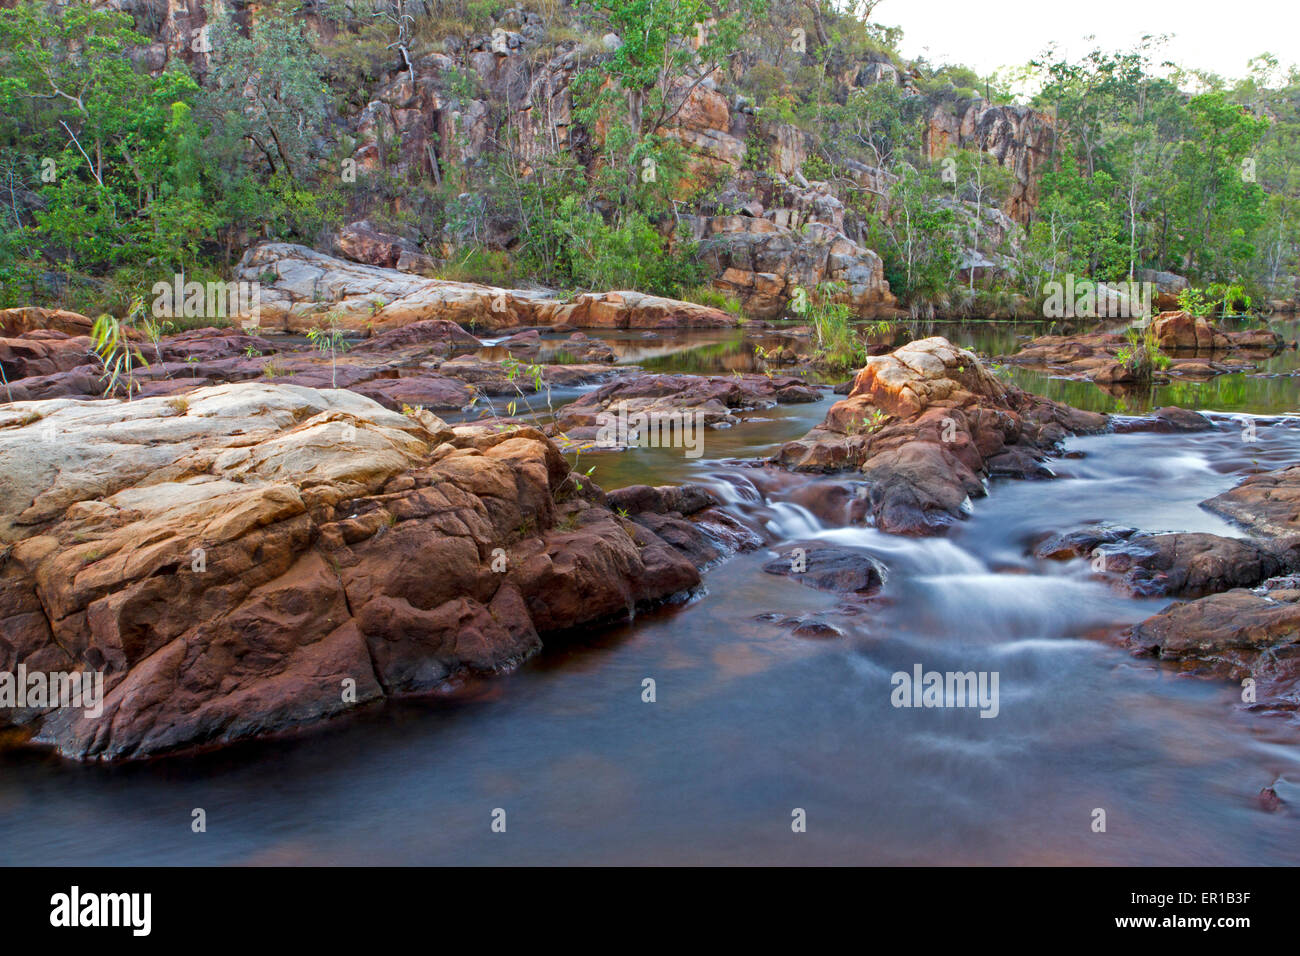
(988, 34)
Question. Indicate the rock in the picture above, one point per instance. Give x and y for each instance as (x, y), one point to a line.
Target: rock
(1093, 356)
(1170, 419)
(526, 343)
(418, 340)
(799, 243)
(1074, 355)
(363, 242)
(1168, 283)
(923, 424)
(685, 500)
(665, 400)
(208, 345)
(1080, 544)
(1238, 634)
(830, 568)
(299, 286)
(580, 348)
(1019, 139)
(20, 321)
(42, 353)
(430, 391)
(235, 559)
(703, 125)
(1267, 503)
(1180, 564)
(1182, 331)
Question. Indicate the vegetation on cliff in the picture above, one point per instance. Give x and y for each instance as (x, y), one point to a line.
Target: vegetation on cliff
(580, 146)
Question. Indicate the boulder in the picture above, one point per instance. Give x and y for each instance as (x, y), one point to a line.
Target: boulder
(1183, 332)
(830, 568)
(364, 242)
(250, 558)
(924, 424)
(20, 321)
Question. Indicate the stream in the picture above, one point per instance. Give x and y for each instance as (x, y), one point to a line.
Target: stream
(751, 721)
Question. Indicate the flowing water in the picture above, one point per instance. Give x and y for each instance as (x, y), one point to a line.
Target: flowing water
(751, 721)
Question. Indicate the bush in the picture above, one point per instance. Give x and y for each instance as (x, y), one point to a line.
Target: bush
(713, 298)
(632, 255)
(834, 337)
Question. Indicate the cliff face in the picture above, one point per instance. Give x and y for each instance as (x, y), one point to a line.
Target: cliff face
(442, 113)
(1019, 138)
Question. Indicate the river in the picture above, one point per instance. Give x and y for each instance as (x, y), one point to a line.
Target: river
(751, 722)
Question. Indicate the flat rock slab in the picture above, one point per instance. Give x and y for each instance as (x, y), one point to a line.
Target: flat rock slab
(1267, 503)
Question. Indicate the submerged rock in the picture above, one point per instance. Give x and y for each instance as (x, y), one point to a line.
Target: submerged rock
(1169, 419)
(830, 568)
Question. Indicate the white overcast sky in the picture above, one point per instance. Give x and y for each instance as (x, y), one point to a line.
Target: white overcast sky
(988, 34)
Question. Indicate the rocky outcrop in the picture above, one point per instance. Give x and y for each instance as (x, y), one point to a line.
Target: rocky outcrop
(1017, 138)
(1183, 332)
(1198, 350)
(1251, 636)
(704, 125)
(252, 558)
(924, 425)
(1181, 564)
(1267, 503)
(762, 261)
(302, 288)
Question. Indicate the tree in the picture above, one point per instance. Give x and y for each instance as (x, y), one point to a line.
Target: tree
(268, 91)
(94, 132)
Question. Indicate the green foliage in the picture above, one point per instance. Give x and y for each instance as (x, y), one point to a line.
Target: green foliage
(918, 243)
(106, 148)
(329, 339)
(110, 340)
(834, 337)
(632, 255)
(1149, 176)
(1142, 356)
(714, 298)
